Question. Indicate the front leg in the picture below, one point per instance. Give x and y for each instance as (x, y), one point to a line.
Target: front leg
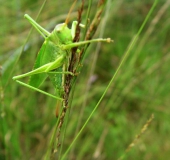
(73, 28)
(76, 44)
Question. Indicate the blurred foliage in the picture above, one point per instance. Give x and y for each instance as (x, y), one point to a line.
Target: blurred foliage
(140, 89)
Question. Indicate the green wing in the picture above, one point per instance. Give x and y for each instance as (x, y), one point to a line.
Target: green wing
(44, 56)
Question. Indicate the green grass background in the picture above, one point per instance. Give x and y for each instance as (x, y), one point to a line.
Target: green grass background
(140, 89)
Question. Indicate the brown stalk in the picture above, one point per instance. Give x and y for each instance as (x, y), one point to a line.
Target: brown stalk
(67, 86)
(76, 59)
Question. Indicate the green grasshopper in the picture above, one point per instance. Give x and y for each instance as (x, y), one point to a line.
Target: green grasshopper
(54, 57)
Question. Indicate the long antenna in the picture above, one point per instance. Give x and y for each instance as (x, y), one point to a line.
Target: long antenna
(68, 15)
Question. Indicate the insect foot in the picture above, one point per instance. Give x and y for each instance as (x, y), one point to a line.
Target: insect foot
(109, 40)
(76, 74)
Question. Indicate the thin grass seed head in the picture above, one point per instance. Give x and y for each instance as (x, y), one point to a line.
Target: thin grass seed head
(68, 15)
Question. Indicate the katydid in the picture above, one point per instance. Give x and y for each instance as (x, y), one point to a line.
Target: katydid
(54, 57)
